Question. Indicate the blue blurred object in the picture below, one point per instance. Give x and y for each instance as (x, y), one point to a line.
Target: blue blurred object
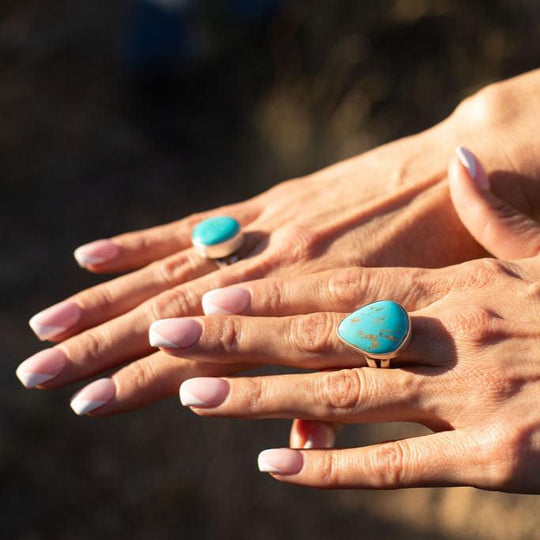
(159, 36)
(165, 34)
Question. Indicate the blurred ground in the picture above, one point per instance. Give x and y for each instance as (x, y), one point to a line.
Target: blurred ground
(90, 145)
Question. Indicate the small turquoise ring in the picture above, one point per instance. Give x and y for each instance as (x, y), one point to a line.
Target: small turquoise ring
(218, 238)
(380, 331)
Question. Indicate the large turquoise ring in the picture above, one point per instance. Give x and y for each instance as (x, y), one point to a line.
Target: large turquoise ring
(380, 331)
(218, 238)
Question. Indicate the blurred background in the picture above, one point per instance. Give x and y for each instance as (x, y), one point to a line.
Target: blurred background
(119, 115)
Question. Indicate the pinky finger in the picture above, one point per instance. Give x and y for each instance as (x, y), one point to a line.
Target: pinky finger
(432, 460)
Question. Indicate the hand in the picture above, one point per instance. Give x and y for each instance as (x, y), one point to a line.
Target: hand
(471, 372)
(387, 207)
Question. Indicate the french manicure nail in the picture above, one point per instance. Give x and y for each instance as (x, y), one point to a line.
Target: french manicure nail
(469, 161)
(174, 333)
(230, 300)
(93, 396)
(55, 320)
(203, 392)
(322, 436)
(281, 461)
(41, 367)
(96, 252)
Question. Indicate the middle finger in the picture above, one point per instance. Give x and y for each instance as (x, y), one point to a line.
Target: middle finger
(304, 341)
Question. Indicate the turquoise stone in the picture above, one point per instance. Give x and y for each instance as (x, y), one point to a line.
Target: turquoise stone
(215, 230)
(376, 329)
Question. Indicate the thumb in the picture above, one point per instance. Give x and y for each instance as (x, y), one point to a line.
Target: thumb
(500, 228)
(313, 434)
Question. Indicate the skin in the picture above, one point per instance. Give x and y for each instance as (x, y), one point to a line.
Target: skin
(387, 207)
(471, 372)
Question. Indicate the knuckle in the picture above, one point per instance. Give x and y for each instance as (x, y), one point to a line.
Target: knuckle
(340, 390)
(101, 296)
(489, 107)
(141, 375)
(172, 303)
(252, 396)
(272, 301)
(481, 273)
(387, 463)
(330, 470)
(474, 325)
(173, 270)
(347, 284)
(311, 333)
(227, 335)
(94, 343)
(501, 454)
(293, 244)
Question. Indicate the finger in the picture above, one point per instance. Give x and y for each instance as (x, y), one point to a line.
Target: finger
(313, 434)
(103, 302)
(142, 383)
(124, 338)
(135, 249)
(432, 460)
(501, 229)
(347, 395)
(340, 290)
(303, 341)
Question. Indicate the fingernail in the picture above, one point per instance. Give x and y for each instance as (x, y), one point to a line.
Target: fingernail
(228, 301)
(174, 333)
(93, 396)
(55, 320)
(203, 392)
(96, 252)
(322, 436)
(41, 367)
(281, 461)
(468, 160)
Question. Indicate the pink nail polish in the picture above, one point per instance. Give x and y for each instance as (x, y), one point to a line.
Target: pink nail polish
(174, 333)
(96, 252)
(322, 436)
(226, 301)
(203, 392)
(55, 320)
(281, 461)
(41, 367)
(93, 396)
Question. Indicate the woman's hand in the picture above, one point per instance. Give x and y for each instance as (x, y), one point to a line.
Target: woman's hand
(387, 207)
(471, 372)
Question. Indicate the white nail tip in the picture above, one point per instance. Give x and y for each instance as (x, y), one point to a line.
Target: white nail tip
(467, 160)
(85, 260)
(189, 400)
(84, 406)
(264, 466)
(211, 309)
(43, 331)
(309, 443)
(156, 339)
(30, 380)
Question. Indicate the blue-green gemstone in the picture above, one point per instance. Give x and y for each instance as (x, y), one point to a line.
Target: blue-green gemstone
(378, 328)
(215, 230)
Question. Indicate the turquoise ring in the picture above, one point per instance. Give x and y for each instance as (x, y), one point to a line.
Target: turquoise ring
(380, 331)
(218, 238)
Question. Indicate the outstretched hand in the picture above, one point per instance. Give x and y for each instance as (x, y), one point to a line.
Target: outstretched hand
(471, 372)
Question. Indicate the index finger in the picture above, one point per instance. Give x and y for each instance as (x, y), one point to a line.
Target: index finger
(139, 248)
